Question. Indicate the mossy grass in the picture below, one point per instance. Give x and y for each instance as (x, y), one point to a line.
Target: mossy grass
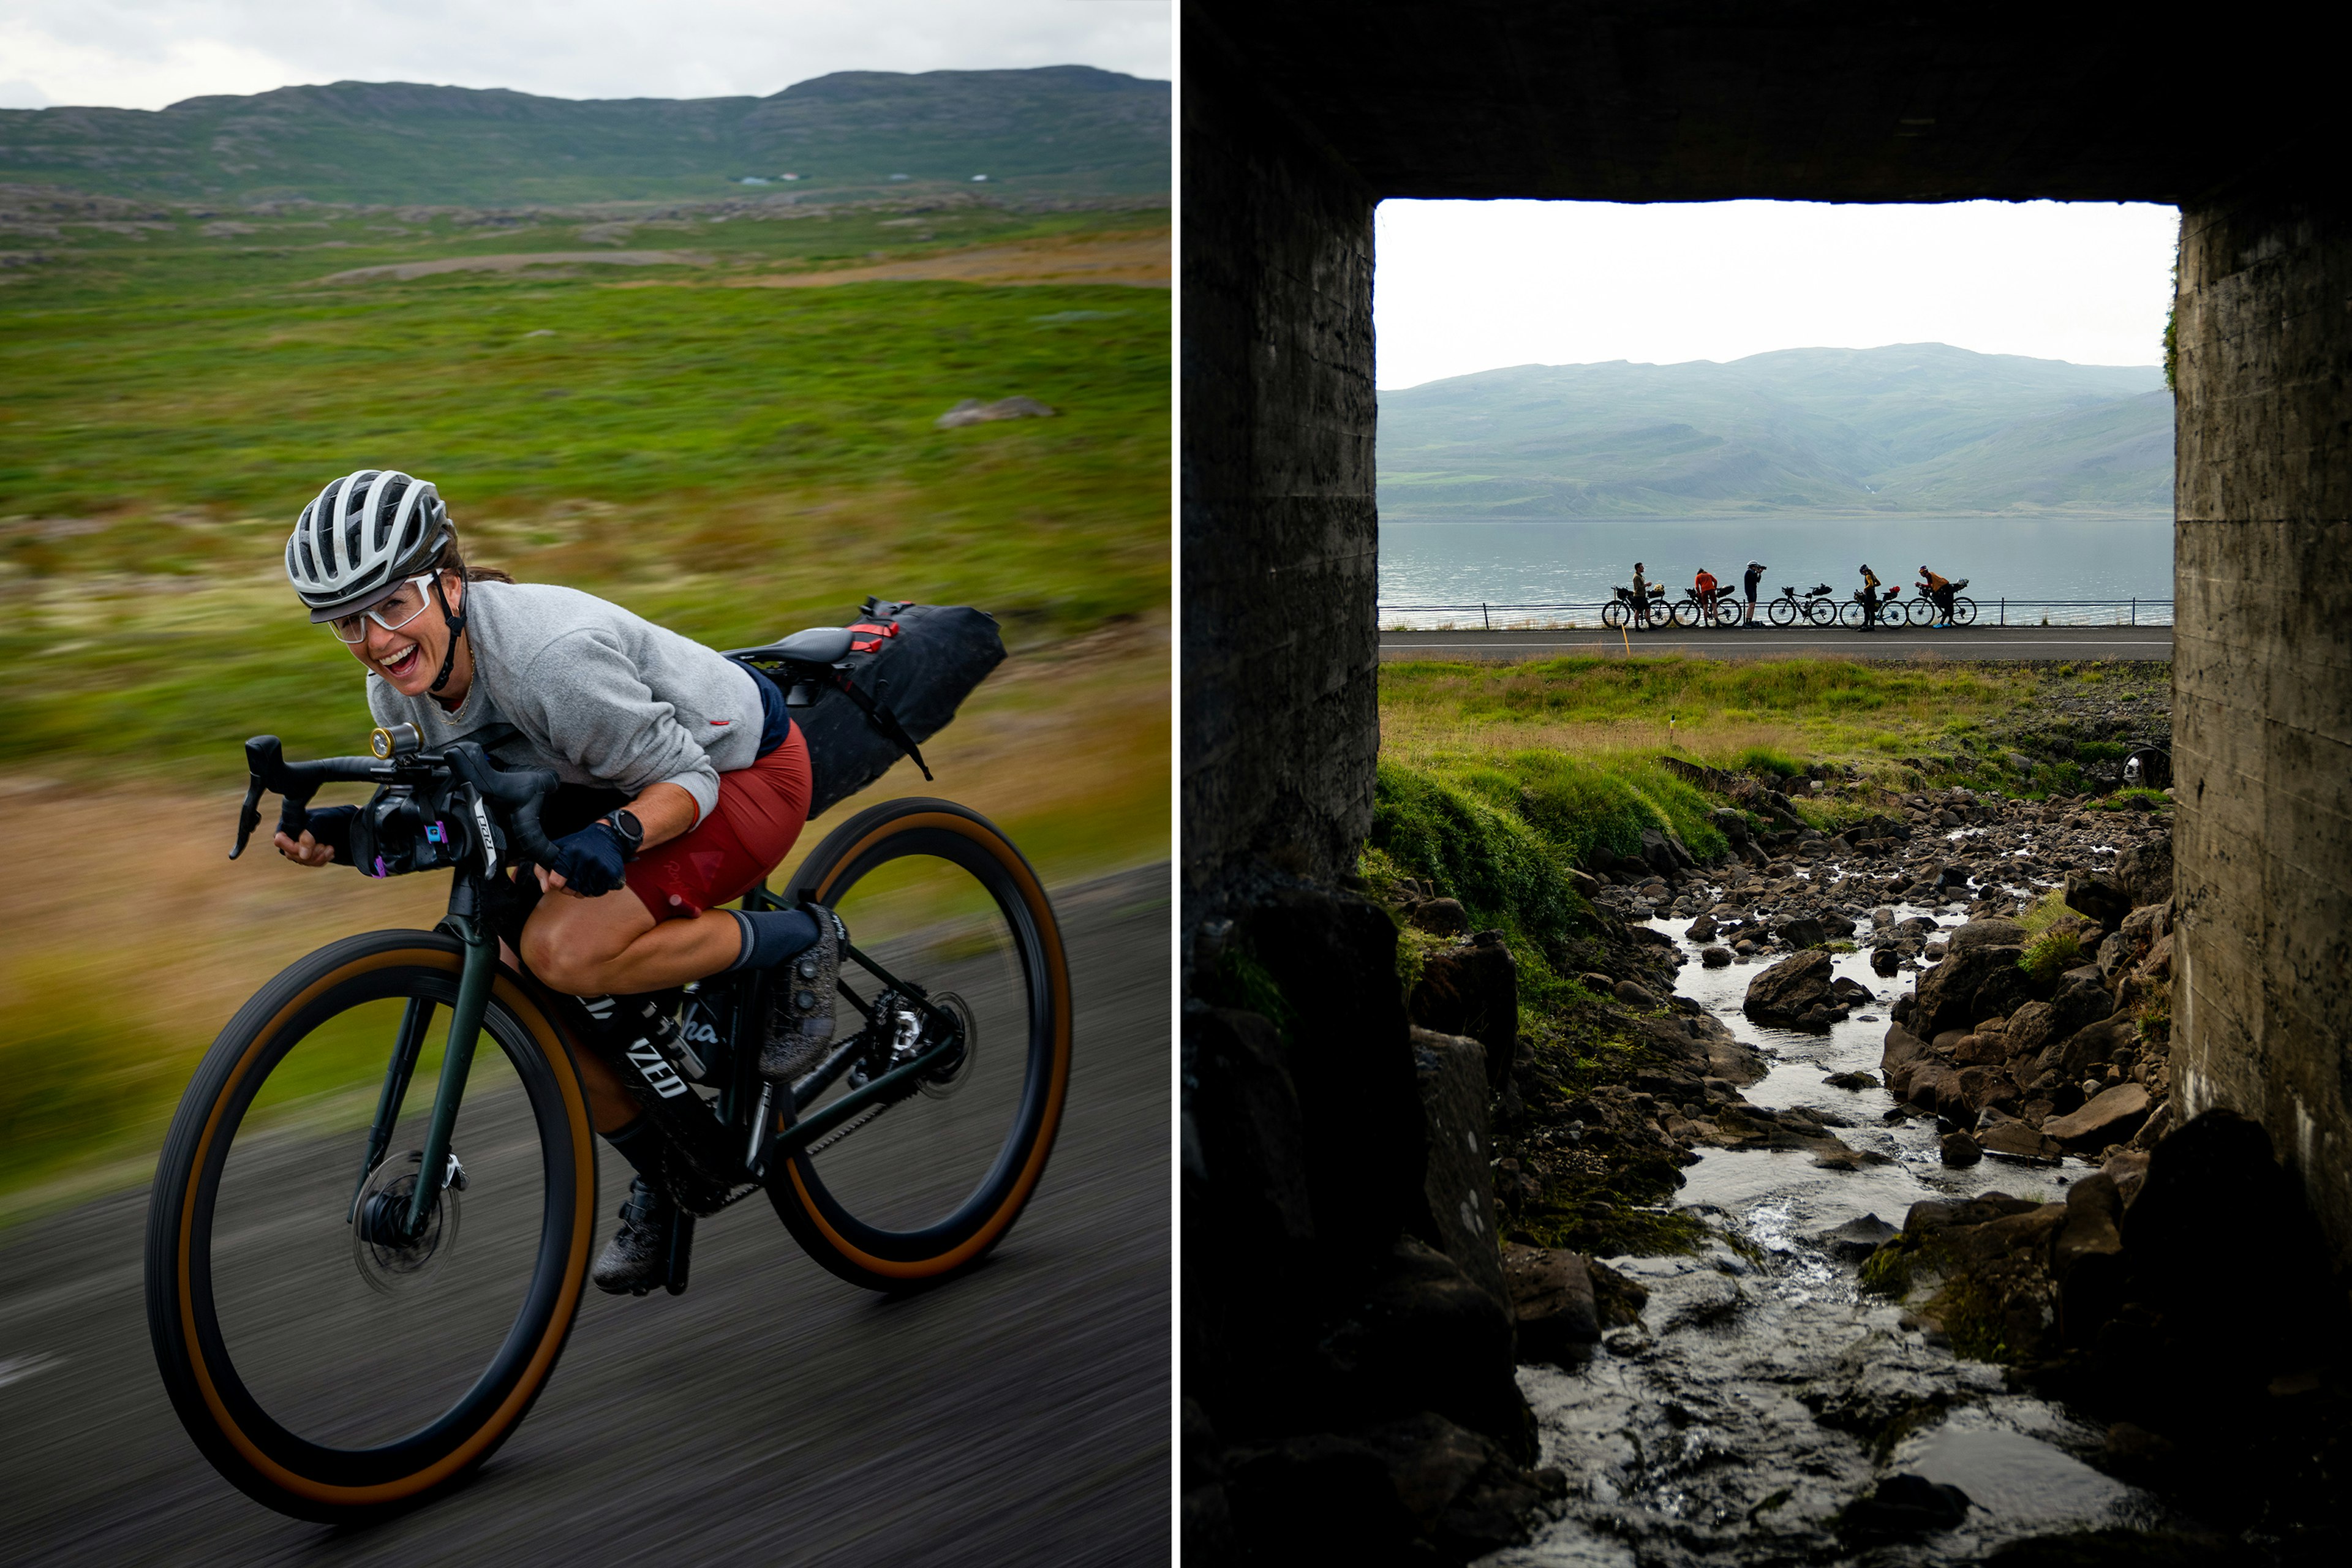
(2050, 955)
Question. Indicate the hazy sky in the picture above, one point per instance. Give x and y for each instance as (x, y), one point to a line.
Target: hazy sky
(144, 54)
(1470, 286)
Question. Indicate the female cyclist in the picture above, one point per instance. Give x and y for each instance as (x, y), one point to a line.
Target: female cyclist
(715, 775)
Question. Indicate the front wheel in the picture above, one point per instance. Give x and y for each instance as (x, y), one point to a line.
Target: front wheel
(1784, 612)
(1923, 612)
(1852, 614)
(1964, 612)
(934, 894)
(328, 1364)
(1613, 614)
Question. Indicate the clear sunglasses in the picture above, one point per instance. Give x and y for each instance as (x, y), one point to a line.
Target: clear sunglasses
(394, 611)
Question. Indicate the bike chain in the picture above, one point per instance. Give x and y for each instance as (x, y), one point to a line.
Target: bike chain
(848, 1127)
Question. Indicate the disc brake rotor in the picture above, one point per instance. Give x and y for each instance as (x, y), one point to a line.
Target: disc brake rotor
(389, 1260)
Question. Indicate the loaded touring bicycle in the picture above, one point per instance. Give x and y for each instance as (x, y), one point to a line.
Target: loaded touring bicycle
(375, 1213)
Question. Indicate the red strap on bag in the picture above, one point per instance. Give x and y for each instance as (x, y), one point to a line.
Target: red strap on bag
(872, 644)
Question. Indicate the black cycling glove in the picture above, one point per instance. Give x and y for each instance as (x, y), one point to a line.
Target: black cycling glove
(590, 860)
(331, 826)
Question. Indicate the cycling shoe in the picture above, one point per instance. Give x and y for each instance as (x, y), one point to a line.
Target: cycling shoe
(800, 1020)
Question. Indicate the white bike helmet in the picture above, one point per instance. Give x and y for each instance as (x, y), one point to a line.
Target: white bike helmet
(364, 533)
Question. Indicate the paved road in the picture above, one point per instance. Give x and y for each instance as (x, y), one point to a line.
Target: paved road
(770, 1415)
(1767, 642)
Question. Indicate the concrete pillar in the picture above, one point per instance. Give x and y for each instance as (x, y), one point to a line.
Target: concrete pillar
(2263, 682)
(1280, 648)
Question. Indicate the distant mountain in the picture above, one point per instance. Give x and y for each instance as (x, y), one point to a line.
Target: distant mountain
(1913, 428)
(1062, 130)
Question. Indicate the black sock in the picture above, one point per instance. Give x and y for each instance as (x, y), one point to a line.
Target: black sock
(641, 1144)
(771, 936)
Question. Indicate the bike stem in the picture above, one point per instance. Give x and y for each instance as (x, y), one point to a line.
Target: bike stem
(465, 1027)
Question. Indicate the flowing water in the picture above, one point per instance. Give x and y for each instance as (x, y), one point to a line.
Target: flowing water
(1692, 1439)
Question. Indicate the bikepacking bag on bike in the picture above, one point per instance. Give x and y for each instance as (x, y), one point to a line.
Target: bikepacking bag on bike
(913, 665)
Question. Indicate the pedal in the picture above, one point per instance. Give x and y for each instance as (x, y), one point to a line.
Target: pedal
(681, 1249)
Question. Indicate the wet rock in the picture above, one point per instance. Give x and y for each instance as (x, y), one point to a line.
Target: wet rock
(1702, 1299)
(1702, 928)
(2088, 1258)
(1451, 1073)
(1442, 916)
(1793, 994)
(2110, 1117)
(1857, 1082)
(2019, 1140)
(1856, 1238)
(1551, 1302)
(1885, 961)
(1714, 957)
(1986, 933)
(1619, 1301)
(2128, 1170)
(1946, 993)
(1901, 1507)
(1961, 1150)
(1473, 991)
(1802, 933)
(1463, 1494)
(2099, 896)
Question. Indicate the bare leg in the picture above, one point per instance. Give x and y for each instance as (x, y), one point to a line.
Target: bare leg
(588, 947)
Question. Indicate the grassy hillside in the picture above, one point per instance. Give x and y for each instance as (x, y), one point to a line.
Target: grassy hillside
(1923, 429)
(1063, 131)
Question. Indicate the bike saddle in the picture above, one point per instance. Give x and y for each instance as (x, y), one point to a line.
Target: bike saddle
(818, 644)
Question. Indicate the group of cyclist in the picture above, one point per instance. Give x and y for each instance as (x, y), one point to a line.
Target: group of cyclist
(1714, 599)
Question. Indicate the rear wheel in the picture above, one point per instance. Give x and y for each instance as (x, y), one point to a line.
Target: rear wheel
(1727, 614)
(936, 896)
(1821, 611)
(1613, 614)
(1964, 612)
(328, 1367)
(1784, 612)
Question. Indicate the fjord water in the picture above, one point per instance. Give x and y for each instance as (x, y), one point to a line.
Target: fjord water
(1577, 561)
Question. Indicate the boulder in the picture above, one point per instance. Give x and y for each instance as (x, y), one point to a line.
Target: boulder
(1986, 933)
(2088, 1258)
(2031, 1027)
(1856, 1238)
(1959, 1148)
(2110, 1117)
(1702, 928)
(1425, 1337)
(1462, 1492)
(1634, 995)
(1714, 957)
(1802, 933)
(1904, 1054)
(2018, 1141)
(1456, 1183)
(2146, 870)
(1473, 991)
(1885, 961)
(1655, 854)
(1441, 917)
(1551, 1302)
(1791, 992)
(2099, 896)
(1903, 1507)
(1947, 993)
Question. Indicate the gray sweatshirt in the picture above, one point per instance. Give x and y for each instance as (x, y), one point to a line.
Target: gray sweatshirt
(601, 696)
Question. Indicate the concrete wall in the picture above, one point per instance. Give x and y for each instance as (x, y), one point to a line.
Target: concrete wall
(2262, 681)
(1280, 539)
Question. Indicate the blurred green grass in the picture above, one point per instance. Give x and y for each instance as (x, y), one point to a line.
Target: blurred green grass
(733, 462)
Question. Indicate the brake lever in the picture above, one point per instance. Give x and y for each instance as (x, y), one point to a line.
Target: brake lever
(249, 817)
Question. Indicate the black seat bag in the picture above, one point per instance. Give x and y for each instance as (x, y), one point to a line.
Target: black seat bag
(915, 664)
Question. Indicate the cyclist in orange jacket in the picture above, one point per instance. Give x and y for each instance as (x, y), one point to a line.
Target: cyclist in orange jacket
(1702, 589)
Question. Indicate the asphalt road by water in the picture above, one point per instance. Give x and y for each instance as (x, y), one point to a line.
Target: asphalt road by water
(770, 1415)
(1771, 642)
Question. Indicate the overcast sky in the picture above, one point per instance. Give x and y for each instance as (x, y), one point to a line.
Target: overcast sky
(1470, 286)
(145, 54)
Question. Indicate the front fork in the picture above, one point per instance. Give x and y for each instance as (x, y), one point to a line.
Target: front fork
(481, 965)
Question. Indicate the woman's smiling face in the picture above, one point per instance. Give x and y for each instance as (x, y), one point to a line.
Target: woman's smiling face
(410, 657)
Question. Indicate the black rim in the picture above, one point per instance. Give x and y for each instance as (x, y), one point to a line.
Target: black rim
(987, 1195)
(393, 1461)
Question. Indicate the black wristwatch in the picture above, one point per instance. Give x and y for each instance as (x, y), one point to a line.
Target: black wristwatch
(632, 832)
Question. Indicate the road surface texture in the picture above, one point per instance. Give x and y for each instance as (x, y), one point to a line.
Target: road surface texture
(1774, 642)
(771, 1415)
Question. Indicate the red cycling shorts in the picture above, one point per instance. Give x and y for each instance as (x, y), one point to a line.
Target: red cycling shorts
(760, 813)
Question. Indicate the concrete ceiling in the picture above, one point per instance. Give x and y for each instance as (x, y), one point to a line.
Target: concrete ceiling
(1831, 101)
